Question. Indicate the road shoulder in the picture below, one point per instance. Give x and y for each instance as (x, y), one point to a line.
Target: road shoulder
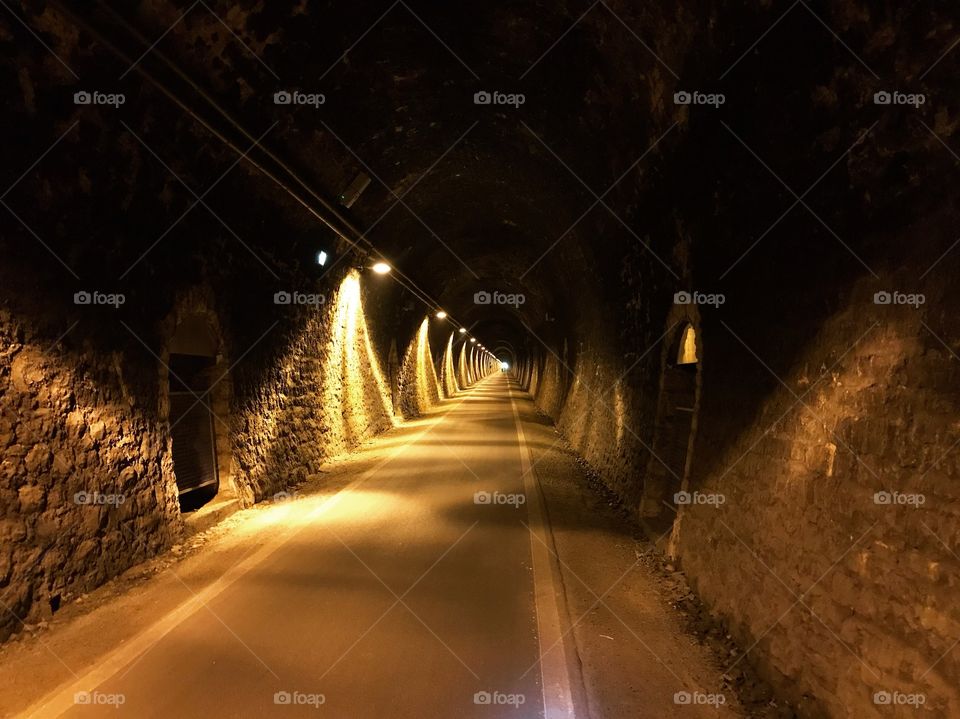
(636, 657)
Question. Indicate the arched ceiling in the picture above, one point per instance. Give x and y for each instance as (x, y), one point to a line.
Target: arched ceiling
(464, 197)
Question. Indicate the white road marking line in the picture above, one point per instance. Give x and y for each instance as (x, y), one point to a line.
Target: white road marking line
(555, 676)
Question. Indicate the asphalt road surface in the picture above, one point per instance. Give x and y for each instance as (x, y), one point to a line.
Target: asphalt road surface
(412, 595)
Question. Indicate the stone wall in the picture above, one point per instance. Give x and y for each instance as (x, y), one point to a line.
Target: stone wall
(419, 387)
(322, 395)
(85, 486)
(465, 374)
(839, 506)
(823, 532)
(88, 486)
(448, 375)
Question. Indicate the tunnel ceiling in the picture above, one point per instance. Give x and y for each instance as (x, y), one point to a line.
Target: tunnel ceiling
(500, 197)
(490, 208)
(584, 199)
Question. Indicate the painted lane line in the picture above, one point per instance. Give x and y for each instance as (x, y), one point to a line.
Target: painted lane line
(555, 675)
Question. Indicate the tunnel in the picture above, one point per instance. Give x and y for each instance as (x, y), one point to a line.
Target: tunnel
(512, 359)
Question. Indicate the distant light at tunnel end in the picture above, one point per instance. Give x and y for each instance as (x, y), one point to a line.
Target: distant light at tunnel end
(504, 365)
(381, 268)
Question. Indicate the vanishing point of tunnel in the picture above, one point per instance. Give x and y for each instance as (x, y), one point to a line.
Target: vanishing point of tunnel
(416, 359)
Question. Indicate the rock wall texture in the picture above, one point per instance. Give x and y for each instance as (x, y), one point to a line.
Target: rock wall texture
(419, 387)
(84, 488)
(88, 486)
(321, 396)
(448, 374)
(466, 375)
(823, 529)
(839, 510)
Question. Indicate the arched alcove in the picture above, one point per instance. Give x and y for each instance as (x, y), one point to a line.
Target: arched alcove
(668, 467)
(198, 391)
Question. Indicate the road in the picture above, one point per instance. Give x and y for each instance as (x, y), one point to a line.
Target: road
(412, 595)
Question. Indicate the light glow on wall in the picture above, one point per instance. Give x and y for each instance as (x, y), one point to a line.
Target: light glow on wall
(421, 390)
(447, 372)
(353, 380)
(687, 353)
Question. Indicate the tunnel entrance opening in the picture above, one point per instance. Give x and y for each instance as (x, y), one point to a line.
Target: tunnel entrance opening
(668, 466)
(198, 400)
